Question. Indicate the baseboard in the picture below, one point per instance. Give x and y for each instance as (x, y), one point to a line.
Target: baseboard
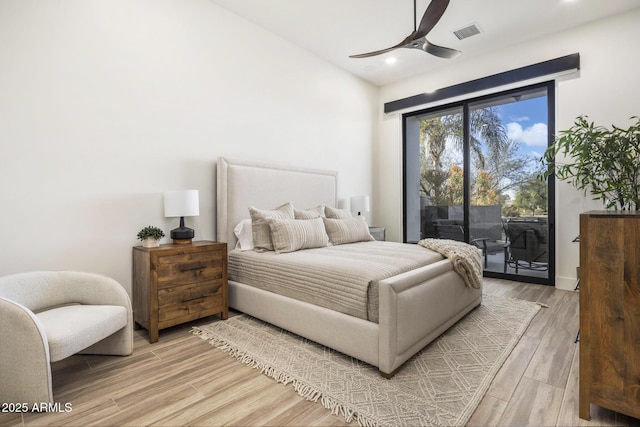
(566, 283)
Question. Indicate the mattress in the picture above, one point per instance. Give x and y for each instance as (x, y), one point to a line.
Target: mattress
(342, 278)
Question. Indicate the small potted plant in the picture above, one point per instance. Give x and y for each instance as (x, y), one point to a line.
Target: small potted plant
(150, 236)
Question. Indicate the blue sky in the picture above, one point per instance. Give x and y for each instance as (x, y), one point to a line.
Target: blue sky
(526, 123)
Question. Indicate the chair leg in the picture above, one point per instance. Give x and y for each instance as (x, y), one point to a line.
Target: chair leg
(506, 260)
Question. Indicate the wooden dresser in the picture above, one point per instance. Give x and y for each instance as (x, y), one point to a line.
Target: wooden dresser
(173, 284)
(610, 312)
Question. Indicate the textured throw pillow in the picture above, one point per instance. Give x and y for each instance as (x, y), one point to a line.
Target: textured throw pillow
(289, 235)
(337, 213)
(244, 233)
(351, 230)
(310, 213)
(260, 228)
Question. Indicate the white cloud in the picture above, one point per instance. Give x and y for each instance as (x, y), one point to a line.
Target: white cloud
(535, 135)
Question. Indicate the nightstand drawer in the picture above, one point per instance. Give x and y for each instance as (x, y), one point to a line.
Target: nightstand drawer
(189, 293)
(188, 302)
(189, 268)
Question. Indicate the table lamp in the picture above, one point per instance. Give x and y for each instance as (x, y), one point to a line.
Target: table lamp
(181, 203)
(359, 204)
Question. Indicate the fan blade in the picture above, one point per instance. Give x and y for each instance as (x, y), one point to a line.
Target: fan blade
(417, 39)
(408, 39)
(440, 51)
(431, 16)
(377, 52)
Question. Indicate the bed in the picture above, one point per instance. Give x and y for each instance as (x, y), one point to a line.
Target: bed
(414, 307)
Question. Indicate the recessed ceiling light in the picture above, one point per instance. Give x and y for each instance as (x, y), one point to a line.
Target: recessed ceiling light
(391, 60)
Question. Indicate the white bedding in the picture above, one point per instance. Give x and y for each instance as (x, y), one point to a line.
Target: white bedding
(343, 278)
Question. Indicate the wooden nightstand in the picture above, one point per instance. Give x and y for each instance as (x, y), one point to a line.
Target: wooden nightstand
(173, 284)
(378, 233)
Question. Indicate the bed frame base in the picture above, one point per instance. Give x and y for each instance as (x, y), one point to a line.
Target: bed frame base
(415, 308)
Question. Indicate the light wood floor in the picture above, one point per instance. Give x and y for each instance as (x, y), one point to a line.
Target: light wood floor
(183, 380)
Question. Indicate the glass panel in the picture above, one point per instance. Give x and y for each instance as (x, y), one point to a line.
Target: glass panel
(441, 175)
(508, 205)
(506, 210)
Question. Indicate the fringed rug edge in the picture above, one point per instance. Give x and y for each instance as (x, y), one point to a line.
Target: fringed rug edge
(302, 388)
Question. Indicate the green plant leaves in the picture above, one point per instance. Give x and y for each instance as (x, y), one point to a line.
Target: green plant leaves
(604, 162)
(150, 232)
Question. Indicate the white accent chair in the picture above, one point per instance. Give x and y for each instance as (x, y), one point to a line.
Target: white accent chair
(46, 316)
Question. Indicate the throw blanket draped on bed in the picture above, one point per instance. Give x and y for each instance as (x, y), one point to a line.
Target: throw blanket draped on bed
(466, 258)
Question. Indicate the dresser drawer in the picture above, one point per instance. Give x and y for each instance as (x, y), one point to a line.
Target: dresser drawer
(183, 303)
(182, 269)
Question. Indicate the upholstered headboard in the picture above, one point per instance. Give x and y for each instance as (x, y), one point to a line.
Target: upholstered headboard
(241, 184)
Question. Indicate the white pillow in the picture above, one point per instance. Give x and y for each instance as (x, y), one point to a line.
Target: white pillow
(260, 228)
(351, 230)
(244, 234)
(289, 235)
(337, 213)
(310, 213)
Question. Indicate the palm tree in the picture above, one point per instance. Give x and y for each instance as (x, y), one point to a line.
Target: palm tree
(485, 126)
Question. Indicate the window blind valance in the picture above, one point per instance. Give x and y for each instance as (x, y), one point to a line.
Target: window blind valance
(546, 68)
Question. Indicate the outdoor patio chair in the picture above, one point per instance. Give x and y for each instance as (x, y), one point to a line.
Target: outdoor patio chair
(453, 230)
(527, 245)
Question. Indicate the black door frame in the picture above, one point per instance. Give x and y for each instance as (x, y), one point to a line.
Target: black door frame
(464, 105)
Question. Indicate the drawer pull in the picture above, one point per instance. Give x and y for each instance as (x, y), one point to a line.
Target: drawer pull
(195, 267)
(197, 298)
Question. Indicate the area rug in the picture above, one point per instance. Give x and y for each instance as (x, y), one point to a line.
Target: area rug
(440, 386)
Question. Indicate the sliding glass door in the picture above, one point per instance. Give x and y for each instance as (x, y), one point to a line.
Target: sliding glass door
(472, 174)
(437, 159)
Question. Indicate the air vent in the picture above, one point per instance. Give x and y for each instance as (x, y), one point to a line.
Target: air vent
(468, 31)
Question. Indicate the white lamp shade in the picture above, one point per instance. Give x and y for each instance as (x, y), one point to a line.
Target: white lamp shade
(181, 203)
(359, 203)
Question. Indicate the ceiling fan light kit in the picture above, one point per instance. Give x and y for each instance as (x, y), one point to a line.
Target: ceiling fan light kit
(418, 38)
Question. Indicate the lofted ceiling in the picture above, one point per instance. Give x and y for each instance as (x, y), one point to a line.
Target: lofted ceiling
(335, 29)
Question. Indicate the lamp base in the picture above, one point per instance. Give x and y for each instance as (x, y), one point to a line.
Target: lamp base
(181, 241)
(182, 235)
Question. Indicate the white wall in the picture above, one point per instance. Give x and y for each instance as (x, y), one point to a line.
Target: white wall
(106, 104)
(605, 89)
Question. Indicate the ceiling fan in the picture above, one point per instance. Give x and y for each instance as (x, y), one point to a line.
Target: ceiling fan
(418, 38)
